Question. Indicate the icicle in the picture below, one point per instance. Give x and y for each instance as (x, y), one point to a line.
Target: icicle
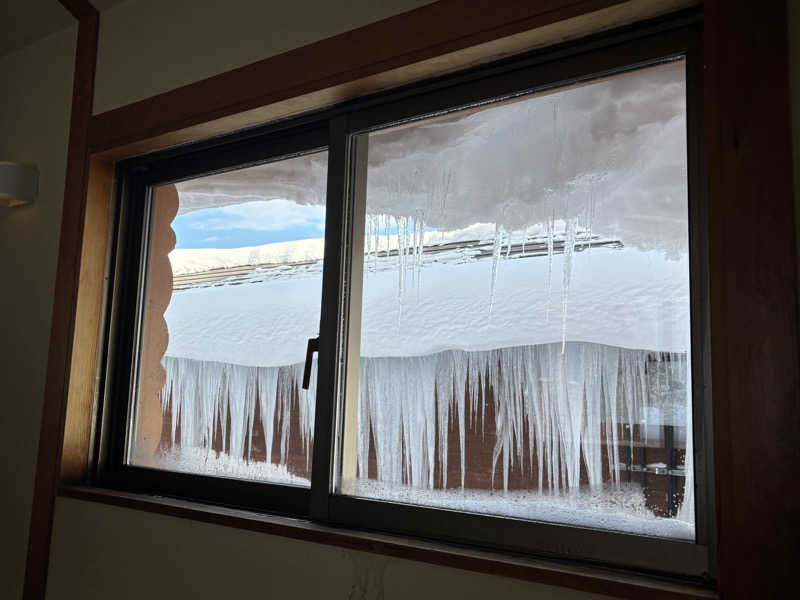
(286, 387)
(420, 250)
(550, 234)
(447, 180)
(444, 392)
(401, 264)
(569, 253)
(610, 378)
(496, 251)
(240, 399)
(306, 403)
(267, 393)
(569, 409)
(524, 239)
(217, 402)
(386, 233)
(590, 211)
(591, 437)
(460, 367)
(376, 233)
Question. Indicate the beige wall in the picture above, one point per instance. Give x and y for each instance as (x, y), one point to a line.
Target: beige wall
(108, 552)
(34, 125)
(189, 40)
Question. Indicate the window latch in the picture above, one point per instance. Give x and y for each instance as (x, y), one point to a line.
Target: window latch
(313, 346)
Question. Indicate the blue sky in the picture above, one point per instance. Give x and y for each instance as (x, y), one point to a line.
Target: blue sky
(249, 224)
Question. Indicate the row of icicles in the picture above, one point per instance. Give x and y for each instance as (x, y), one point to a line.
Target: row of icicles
(554, 411)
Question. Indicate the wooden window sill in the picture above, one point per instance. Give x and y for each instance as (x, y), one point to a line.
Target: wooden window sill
(578, 577)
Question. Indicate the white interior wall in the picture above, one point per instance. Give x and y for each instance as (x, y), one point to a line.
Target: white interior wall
(108, 552)
(189, 40)
(34, 127)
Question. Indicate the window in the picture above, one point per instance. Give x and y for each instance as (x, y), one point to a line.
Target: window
(470, 310)
(525, 309)
(218, 389)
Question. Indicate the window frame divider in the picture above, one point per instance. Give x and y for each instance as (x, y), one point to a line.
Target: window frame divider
(330, 375)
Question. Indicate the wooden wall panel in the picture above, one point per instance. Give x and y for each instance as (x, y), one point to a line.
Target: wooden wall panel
(753, 293)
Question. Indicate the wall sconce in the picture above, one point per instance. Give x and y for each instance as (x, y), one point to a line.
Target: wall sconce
(19, 184)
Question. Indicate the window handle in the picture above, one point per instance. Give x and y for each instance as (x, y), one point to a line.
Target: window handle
(313, 346)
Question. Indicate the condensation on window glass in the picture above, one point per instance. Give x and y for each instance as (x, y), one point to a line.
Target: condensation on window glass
(233, 291)
(525, 338)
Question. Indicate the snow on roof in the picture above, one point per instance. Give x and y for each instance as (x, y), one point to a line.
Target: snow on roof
(621, 297)
(604, 159)
(618, 143)
(196, 260)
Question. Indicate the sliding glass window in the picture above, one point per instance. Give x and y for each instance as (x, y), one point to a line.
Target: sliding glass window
(525, 317)
(470, 310)
(233, 290)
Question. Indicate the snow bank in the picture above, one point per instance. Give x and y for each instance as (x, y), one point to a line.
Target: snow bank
(612, 509)
(203, 461)
(617, 297)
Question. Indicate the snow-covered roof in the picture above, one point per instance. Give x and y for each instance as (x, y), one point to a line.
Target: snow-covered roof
(604, 160)
(610, 146)
(616, 296)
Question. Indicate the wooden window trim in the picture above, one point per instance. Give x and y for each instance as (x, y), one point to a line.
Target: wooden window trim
(445, 36)
(748, 156)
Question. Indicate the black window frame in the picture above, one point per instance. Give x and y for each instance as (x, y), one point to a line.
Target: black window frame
(341, 130)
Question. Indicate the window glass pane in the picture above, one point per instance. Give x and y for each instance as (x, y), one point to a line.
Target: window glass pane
(525, 342)
(234, 280)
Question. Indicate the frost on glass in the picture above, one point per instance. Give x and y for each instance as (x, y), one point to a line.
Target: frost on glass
(525, 343)
(234, 280)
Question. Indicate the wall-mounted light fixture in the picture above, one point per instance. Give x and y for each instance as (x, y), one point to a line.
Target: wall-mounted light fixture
(19, 184)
